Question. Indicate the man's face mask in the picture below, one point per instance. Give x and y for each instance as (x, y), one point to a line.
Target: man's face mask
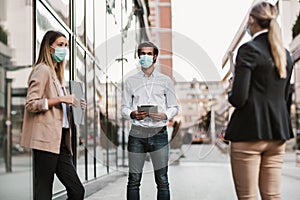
(146, 61)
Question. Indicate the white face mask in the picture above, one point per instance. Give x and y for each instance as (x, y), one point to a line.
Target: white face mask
(146, 61)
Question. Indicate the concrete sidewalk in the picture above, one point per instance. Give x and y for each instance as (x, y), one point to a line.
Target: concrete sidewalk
(204, 173)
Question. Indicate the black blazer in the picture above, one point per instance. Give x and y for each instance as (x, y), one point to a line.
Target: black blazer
(259, 95)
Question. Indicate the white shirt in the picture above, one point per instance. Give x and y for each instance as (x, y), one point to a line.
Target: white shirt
(157, 89)
(65, 123)
(259, 32)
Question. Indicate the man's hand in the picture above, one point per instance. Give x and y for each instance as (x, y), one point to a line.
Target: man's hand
(157, 116)
(138, 115)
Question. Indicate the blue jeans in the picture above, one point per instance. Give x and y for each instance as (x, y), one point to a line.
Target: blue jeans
(139, 144)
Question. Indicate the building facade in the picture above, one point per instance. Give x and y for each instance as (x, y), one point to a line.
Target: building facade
(94, 30)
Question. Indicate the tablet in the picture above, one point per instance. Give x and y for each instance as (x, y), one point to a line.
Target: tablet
(148, 108)
(76, 88)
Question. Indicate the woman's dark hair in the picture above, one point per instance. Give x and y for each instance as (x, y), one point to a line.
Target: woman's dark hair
(147, 44)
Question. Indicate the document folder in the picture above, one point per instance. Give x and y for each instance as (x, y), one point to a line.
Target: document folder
(76, 88)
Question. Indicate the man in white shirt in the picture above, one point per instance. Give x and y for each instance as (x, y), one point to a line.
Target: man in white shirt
(149, 102)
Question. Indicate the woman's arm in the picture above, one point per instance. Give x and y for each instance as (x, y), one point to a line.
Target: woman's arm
(245, 63)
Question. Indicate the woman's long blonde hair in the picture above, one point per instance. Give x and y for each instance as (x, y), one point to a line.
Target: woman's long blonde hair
(265, 15)
(45, 56)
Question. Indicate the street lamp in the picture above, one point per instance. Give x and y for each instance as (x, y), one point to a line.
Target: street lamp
(8, 126)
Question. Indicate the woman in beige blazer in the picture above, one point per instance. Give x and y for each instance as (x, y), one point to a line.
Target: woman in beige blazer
(46, 126)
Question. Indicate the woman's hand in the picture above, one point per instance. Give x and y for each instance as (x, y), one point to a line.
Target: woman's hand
(69, 99)
(83, 103)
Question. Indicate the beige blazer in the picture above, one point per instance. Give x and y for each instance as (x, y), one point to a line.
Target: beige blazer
(42, 129)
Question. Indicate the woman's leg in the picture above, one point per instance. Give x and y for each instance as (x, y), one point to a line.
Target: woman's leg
(245, 164)
(270, 171)
(67, 174)
(44, 166)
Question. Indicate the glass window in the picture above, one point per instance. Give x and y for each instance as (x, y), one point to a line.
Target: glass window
(100, 22)
(45, 22)
(62, 8)
(92, 134)
(109, 127)
(81, 130)
(90, 25)
(80, 66)
(100, 31)
(80, 24)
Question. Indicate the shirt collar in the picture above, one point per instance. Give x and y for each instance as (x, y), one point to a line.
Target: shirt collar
(154, 73)
(259, 33)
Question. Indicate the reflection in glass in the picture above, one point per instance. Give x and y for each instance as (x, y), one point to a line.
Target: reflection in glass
(91, 133)
(100, 110)
(90, 25)
(61, 7)
(82, 150)
(80, 20)
(46, 21)
(100, 21)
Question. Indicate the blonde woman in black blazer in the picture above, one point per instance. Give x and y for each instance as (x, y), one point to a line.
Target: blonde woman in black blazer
(260, 124)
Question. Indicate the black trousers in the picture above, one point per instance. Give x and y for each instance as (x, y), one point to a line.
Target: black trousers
(47, 164)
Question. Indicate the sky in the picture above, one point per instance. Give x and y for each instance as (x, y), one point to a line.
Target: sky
(210, 24)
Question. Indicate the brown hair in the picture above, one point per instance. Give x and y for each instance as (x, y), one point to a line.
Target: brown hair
(45, 56)
(148, 44)
(265, 15)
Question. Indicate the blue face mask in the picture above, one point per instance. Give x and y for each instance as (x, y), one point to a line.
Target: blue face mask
(246, 28)
(59, 54)
(146, 61)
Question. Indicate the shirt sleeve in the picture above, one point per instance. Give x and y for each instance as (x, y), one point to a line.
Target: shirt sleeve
(126, 105)
(171, 102)
(46, 105)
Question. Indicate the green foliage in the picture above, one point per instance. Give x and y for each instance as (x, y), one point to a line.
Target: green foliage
(296, 27)
(3, 36)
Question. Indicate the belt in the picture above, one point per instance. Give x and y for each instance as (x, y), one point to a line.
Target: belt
(148, 129)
